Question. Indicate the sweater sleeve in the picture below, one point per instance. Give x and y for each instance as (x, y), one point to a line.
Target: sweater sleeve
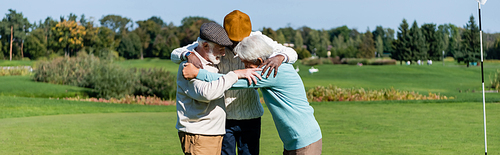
(179, 54)
(207, 76)
(206, 91)
(204, 75)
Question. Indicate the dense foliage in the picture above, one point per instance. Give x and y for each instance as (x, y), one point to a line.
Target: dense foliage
(153, 37)
(106, 79)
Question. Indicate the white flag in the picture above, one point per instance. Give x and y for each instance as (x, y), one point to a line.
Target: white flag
(481, 1)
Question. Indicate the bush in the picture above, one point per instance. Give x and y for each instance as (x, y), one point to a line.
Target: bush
(12, 71)
(155, 82)
(311, 61)
(355, 61)
(111, 81)
(303, 53)
(67, 70)
(495, 82)
(334, 93)
(316, 61)
(106, 79)
(383, 62)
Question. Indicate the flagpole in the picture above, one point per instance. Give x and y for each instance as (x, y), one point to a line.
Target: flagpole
(482, 77)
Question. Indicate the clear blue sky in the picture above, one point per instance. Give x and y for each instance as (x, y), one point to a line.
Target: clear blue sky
(317, 14)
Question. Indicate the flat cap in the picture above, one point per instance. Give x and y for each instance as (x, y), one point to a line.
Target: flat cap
(215, 33)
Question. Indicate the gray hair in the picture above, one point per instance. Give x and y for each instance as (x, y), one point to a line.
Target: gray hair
(201, 41)
(253, 47)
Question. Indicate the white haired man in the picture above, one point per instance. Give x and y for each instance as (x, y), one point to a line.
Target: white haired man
(284, 95)
(243, 125)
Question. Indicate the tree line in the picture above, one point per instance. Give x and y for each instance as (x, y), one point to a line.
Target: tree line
(118, 36)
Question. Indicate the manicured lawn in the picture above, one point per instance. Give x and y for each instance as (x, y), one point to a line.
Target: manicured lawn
(25, 87)
(347, 128)
(150, 63)
(30, 123)
(451, 80)
(17, 63)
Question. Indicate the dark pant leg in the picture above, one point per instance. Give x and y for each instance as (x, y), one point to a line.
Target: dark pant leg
(249, 137)
(228, 143)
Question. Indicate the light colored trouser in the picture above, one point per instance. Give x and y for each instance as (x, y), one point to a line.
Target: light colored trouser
(194, 144)
(311, 149)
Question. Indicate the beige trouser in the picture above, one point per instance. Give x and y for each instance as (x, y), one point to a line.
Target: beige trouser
(311, 149)
(194, 144)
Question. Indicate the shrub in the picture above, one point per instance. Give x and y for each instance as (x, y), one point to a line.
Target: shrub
(354, 61)
(303, 53)
(13, 71)
(334, 93)
(142, 100)
(495, 82)
(67, 70)
(155, 82)
(383, 62)
(311, 61)
(106, 79)
(111, 81)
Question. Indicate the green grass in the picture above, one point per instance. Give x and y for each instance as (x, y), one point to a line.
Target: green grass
(150, 63)
(447, 80)
(16, 63)
(12, 107)
(33, 125)
(23, 86)
(347, 128)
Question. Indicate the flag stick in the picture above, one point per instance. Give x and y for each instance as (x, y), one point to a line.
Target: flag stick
(482, 77)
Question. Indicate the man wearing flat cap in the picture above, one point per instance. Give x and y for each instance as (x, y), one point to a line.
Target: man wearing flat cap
(244, 109)
(201, 116)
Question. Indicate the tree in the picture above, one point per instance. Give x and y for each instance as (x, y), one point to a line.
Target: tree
(324, 43)
(402, 48)
(470, 45)
(379, 45)
(367, 46)
(14, 25)
(299, 41)
(147, 32)
(288, 32)
(388, 39)
(280, 38)
(433, 41)
(313, 43)
(116, 23)
(417, 43)
(130, 46)
(270, 33)
(190, 29)
(69, 36)
(443, 34)
(36, 44)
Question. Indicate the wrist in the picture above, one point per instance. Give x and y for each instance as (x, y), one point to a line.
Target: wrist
(185, 55)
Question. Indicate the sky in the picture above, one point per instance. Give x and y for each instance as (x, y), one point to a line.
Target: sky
(316, 14)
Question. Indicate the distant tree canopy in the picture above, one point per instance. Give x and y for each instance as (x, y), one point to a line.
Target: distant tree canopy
(153, 37)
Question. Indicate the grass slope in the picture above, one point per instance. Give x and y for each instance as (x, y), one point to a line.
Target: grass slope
(13, 107)
(23, 86)
(17, 63)
(149, 63)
